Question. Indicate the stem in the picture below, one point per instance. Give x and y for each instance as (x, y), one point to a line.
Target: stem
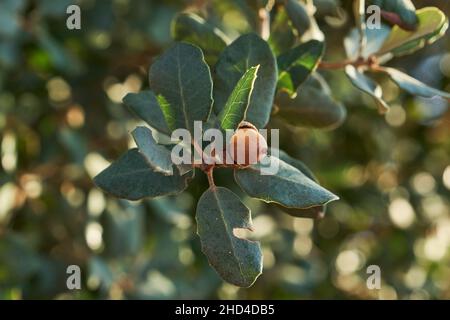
(264, 23)
(370, 62)
(359, 7)
(209, 174)
(264, 20)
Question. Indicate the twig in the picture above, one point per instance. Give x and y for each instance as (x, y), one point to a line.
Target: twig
(369, 62)
(359, 7)
(209, 174)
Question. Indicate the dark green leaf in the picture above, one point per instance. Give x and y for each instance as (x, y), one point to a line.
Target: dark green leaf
(192, 28)
(237, 104)
(412, 85)
(281, 36)
(182, 81)
(311, 107)
(367, 85)
(130, 177)
(313, 212)
(288, 186)
(298, 15)
(282, 155)
(169, 113)
(245, 52)
(296, 65)
(403, 8)
(158, 157)
(219, 213)
(327, 8)
(145, 105)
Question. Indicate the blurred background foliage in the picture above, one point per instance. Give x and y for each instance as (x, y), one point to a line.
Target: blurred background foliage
(61, 121)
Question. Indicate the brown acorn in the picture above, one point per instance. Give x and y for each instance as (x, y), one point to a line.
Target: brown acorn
(247, 145)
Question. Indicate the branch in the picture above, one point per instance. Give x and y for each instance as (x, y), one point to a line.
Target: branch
(369, 62)
(209, 174)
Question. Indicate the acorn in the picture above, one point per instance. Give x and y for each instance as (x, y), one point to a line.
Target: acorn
(247, 145)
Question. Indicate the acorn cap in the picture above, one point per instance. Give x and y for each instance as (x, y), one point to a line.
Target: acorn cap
(246, 125)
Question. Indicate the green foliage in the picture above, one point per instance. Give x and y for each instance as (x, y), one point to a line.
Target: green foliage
(297, 64)
(288, 186)
(245, 52)
(131, 177)
(60, 117)
(237, 104)
(192, 28)
(182, 78)
(431, 26)
(245, 78)
(145, 105)
(219, 213)
(157, 156)
(282, 36)
(311, 107)
(413, 86)
(182, 84)
(298, 15)
(380, 47)
(311, 212)
(375, 38)
(403, 8)
(367, 85)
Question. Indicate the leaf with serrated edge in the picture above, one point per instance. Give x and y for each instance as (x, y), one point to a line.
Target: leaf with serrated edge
(288, 187)
(368, 86)
(130, 177)
(247, 51)
(237, 103)
(157, 156)
(181, 76)
(219, 212)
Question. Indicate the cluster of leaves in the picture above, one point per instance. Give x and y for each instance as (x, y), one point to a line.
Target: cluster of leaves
(182, 90)
(52, 216)
(369, 48)
(247, 76)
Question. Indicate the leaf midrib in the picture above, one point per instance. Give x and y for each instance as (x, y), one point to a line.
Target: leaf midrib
(183, 103)
(228, 232)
